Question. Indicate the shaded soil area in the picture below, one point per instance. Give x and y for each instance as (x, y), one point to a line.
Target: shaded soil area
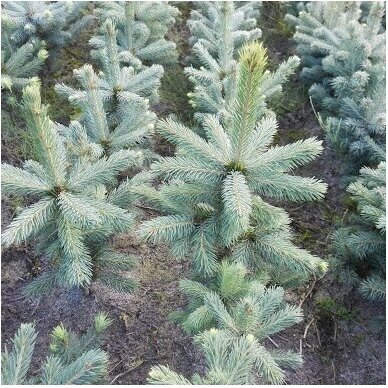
(338, 340)
(141, 334)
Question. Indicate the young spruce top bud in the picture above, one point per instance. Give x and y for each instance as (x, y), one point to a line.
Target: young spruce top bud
(254, 57)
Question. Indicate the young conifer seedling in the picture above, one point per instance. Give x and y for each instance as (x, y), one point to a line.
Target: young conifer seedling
(72, 217)
(20, 63)
(56, 22)
(213, 24)
(114, 104)
(231, 301)
(214, 198)
(219, 30)
(362, 243)
(229, 361)
(72, 359)
(115, 73)
(343, 54)
(142, 27)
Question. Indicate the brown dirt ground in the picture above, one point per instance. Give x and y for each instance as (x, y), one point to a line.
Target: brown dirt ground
(337, 348)
(340, 345)
(141, 334)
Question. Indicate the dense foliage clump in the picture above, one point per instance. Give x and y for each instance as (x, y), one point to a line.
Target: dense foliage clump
(73, 215)
(215, 190)
(56, 22)
(71, 360)
(141, 30)
(360, 246)
(220, 196)
(343, 54)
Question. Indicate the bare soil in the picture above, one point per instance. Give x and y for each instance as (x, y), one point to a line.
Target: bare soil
(339, 340)
(141, 334)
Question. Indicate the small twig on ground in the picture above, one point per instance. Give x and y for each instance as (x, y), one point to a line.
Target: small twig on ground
(328, 235)
(273, 342)
(308, 293)
(122, 309)
(335, 329)
(343, 218)
(127, 371)
(318, 336)
(307, 328)
(283, 338)
(300, 346)
(120, 362)
(17, 299)
(145, 292)
(71, 52)
(145, 207)
(333, 227)
(362, 327)
(334, 374)
(36, 306)
(297, 208)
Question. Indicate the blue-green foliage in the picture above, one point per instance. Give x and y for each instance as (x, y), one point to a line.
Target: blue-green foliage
(294, 7)
(360, 246)
(20, 63)
(212, 200)
(231, 300)
(120, 78)
(81, 203)
(218, 31)
(230, 311)
(228, 361)
(213, 190)
(222, 26)
(74, 210)
(114, 104)
(343, 54)
(72, 359)
(56, 22)
(142, 27)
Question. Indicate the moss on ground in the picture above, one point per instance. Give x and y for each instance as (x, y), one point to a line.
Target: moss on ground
(293, 97)
(152, 272)
(58, 109)
(179, 32)
(59, 69)
(173, 91)
(16, 139)
(327, 307)
(272, 15)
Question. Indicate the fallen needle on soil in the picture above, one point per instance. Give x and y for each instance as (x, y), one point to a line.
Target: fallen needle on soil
(127, 371)
(318, 336)
(332, 365)
(273, 342)
(307, 328)
(308, 293)
(120, 362)
(36, 306)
